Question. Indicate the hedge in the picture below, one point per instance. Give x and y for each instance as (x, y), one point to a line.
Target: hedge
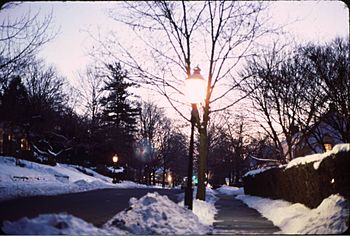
(303, 183)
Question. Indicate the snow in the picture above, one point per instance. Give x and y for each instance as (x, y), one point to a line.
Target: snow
(229, 190)
(328, 218)
(156, 214)
(204, 210)
(151, 214)
(57, 224)
(31, 179)
(256, 171)
(317, 158)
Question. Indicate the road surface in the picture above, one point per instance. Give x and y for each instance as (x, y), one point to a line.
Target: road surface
(96, 207)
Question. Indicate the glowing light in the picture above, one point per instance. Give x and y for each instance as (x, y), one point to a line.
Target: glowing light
(332, 181)
(115, 158)
(170, 178)
(195, 86)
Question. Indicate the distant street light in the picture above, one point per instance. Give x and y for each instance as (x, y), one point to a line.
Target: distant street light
(170, 180)
(195, 92)
(115, 160)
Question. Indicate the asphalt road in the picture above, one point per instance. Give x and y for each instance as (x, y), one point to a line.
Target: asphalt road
(96, 207)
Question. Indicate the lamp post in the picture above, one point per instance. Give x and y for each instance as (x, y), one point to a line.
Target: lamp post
(195, 92)
(115, 160)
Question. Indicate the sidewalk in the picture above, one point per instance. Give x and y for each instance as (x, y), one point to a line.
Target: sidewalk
(234, 217)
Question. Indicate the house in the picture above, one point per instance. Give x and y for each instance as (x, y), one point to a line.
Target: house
(321, 137)
(13, 141)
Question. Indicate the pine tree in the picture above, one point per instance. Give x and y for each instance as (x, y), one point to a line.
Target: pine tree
(118, 112)
(14, 103)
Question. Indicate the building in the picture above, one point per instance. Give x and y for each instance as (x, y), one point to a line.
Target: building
(13, 141)
(321, 137)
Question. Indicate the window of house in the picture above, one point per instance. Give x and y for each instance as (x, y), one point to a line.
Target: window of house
(25, 144)
(328, 147)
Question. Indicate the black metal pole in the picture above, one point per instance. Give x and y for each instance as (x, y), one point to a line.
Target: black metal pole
(189, 190)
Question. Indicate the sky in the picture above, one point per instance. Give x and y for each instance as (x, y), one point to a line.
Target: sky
(317, 21)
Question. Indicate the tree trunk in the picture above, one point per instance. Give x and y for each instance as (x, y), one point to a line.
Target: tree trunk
(203, 153)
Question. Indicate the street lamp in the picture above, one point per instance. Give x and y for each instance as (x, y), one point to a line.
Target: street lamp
(195, 87)
(115, 160)
(170, 180)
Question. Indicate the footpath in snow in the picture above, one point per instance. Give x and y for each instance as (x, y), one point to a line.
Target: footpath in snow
(234, 217)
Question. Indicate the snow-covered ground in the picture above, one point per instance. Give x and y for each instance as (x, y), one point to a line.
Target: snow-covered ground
(330, 217)
(32, 179)
(228, 190)
(152, 213)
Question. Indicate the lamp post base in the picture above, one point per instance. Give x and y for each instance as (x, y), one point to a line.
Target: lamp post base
(189, 197)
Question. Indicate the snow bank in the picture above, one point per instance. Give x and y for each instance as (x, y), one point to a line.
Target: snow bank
(156, 214)
(317, 158)
(31, 179)
(204, 210)
(57, 224)
(229, 190)
(328, 218)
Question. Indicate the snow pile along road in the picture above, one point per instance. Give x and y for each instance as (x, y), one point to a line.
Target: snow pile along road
(56, 224)
(156, 214)
(151, 214)
(330, 217)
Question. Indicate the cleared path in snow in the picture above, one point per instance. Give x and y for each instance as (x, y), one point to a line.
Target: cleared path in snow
(234, 217)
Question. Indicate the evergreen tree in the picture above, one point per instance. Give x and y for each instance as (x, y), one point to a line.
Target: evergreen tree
(118, 114)
(14, 103)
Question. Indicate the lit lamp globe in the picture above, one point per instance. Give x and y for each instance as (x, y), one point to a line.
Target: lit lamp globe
(195, 87)
(115, 158)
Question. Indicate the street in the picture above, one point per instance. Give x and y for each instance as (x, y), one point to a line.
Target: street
(95, 207)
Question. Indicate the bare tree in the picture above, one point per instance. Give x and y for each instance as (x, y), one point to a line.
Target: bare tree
(293, 90)
(282, 90)
(155, 129)
(91, 90)
(330, 68)
(46, 88)
(20, 40)
(176, 35)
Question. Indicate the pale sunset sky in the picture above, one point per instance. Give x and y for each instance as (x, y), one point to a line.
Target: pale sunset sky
(306, 21)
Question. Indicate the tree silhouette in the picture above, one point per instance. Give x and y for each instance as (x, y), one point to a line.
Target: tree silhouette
(118, 113)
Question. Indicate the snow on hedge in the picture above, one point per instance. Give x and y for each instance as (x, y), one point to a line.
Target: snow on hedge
(156, 214)
(257, 171)
(318, 157)
(330, 217)
(315, 158)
